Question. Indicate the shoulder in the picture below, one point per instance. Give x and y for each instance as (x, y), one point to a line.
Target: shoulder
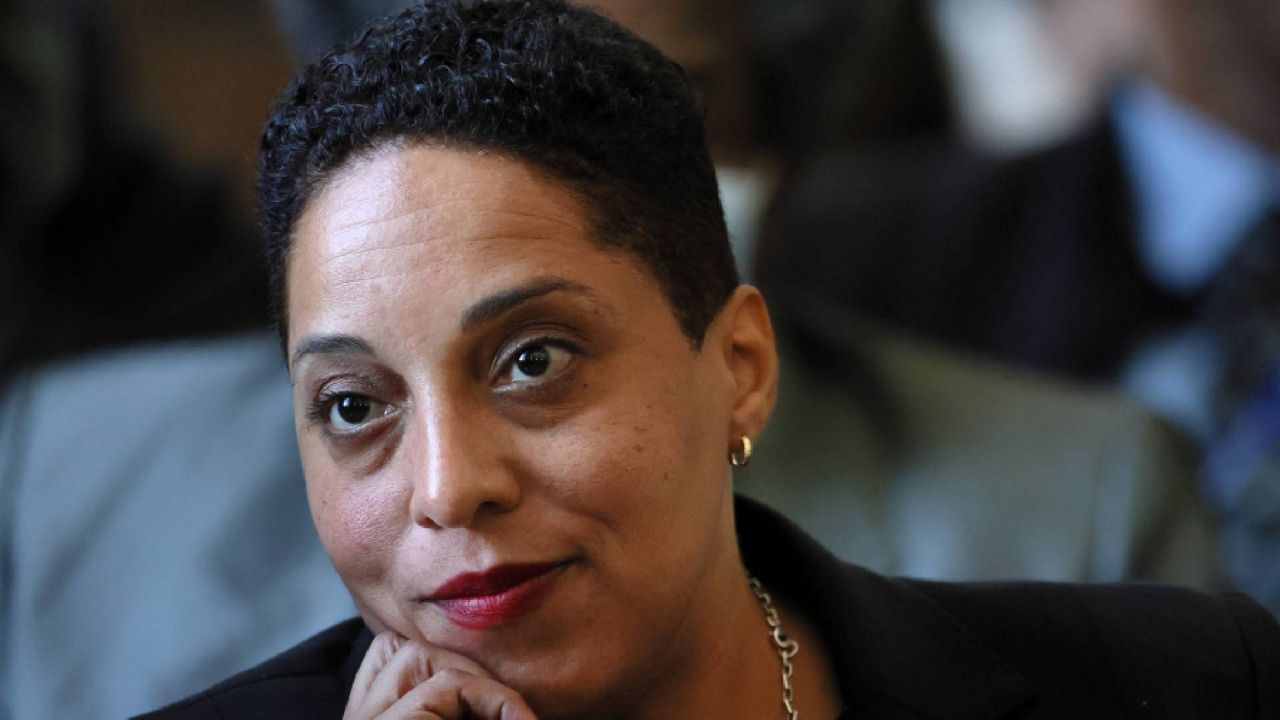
(82, 400)
(942, 453)
(215, 441)
(1157, 650)
(1020, 650)
(308, 680)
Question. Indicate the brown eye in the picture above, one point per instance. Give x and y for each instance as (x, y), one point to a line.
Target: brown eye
(534, 362)
(538, 360)
(351, 411)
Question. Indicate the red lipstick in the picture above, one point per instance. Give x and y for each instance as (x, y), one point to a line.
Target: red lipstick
(479, 600)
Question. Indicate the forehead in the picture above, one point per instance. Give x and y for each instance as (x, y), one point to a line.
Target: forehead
(435, 227)
(430, 194)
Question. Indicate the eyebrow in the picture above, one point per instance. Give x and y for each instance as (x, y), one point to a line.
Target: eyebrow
(328, 344)
(482, 311)
(498, 303)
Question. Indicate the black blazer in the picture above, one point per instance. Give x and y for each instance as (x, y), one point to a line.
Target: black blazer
(906, 649)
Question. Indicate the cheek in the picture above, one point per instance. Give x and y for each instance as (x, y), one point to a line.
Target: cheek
(640, 469)
(359, 524)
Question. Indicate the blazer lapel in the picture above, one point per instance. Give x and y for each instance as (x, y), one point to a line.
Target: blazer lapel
(897, 654)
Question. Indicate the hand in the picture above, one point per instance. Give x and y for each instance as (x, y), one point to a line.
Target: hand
(404, 680)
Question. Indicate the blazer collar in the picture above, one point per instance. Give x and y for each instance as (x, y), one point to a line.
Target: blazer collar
(896, 652)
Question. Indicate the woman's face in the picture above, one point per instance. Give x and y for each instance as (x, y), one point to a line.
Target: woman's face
(478, 385)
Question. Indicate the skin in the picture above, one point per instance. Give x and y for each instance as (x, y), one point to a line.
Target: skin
(613, 461)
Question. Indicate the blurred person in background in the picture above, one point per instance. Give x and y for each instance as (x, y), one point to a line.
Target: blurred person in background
(781, 81)
(1141, 251)
(109, 240)
(1028, 74)
(715, 43)
(144, 466)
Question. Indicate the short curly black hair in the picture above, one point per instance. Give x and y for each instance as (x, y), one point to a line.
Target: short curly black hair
(551, 84)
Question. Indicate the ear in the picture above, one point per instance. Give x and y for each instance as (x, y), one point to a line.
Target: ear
(752, 360)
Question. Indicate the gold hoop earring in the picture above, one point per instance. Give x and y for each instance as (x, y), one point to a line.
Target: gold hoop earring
(740, 459)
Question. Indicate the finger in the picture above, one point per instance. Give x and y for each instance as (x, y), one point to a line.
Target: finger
(410, 665)
(380, 652)
(453, 694)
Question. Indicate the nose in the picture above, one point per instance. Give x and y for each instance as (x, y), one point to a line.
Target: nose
(458, 470)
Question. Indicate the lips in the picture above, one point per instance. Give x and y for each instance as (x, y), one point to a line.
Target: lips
(480, 600)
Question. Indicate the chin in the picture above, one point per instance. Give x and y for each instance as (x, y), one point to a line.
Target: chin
(574, 702)
(567, 688)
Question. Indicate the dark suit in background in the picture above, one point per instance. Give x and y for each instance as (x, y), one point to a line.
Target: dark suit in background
(1032, 260)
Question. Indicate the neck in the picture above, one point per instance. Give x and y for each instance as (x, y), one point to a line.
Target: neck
(723, 662)
(738, 675)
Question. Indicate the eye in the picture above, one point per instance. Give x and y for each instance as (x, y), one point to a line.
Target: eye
(348, 412)
(538, 360)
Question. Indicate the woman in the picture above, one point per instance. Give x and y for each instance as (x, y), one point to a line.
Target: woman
(523, 368)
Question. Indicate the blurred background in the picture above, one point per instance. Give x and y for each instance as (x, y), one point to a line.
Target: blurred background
(1022, 253)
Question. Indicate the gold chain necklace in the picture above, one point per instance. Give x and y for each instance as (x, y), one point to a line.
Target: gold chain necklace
(787, 648)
